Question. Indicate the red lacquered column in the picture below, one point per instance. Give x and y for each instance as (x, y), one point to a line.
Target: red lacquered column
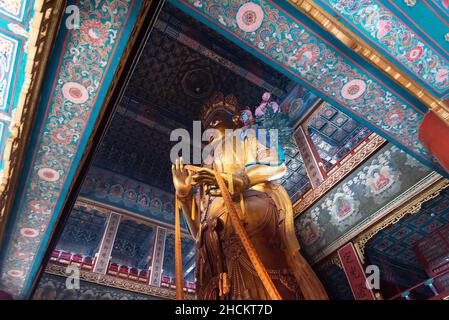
(434, 135)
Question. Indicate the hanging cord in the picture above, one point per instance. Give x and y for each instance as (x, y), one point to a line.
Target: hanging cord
(234, 214)
(193, 214)
(178, 254)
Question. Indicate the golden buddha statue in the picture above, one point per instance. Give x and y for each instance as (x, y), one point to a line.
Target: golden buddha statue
(224, 269)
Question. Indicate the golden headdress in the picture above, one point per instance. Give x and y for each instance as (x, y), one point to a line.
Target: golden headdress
(219, 102)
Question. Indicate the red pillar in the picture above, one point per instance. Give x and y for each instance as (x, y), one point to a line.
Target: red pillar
(355, 273)
(434, 135)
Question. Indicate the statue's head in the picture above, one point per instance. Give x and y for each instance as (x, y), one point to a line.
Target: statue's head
(221, 113)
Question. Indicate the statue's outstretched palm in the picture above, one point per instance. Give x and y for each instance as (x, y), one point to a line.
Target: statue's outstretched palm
(182, 178)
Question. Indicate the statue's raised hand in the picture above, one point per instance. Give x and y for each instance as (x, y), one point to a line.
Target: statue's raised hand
(182, 178)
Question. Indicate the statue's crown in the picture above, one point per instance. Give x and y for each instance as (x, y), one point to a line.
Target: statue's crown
(219, 102)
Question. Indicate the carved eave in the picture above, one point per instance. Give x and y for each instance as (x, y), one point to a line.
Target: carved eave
(331, 24)
(42, 34)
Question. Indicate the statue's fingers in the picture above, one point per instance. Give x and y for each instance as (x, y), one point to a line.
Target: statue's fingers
(205, 170)
(206, 174)
(204, 181)
(181, 164)
(203, 177)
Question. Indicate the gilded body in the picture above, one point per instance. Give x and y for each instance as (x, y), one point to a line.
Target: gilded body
(224, 270)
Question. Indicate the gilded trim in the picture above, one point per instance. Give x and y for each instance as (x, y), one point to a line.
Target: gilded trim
(411, 207)
(118, 283)
(332, 259)
(331, 24)
(348, 164)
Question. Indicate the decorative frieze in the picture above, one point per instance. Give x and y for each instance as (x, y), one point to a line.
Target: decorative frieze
(115, 282)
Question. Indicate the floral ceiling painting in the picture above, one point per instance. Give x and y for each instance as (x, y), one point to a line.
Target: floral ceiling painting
(298, 102)
(376, 21)
(359, 198)
(84, 62)
(285, 39)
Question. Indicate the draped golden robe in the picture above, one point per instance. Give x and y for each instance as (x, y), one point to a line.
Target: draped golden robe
(224, 270)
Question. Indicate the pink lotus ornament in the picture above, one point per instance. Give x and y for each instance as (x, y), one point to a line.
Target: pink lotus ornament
(266, 97)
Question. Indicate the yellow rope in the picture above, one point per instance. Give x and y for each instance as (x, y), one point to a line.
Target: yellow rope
(246, 242)
(178, 254)
(193, 207)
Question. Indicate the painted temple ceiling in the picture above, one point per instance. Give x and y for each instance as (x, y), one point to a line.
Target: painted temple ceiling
(27, 30)
(282, 36)
(176, 75)
(413, 36)
(398, 243)
(82, 70)
(183, 63)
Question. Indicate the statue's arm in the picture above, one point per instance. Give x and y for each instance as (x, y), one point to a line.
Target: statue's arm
(260, 173)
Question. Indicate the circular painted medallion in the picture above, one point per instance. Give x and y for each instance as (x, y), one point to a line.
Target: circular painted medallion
(48, 174)
(62, 136)
(249, 17)
(353, 89)
(394, 116)
(75, 92)
(307, 55)
(94, 33)
(15, 273)
(29, 232)
(414, 53)
(441, 75)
